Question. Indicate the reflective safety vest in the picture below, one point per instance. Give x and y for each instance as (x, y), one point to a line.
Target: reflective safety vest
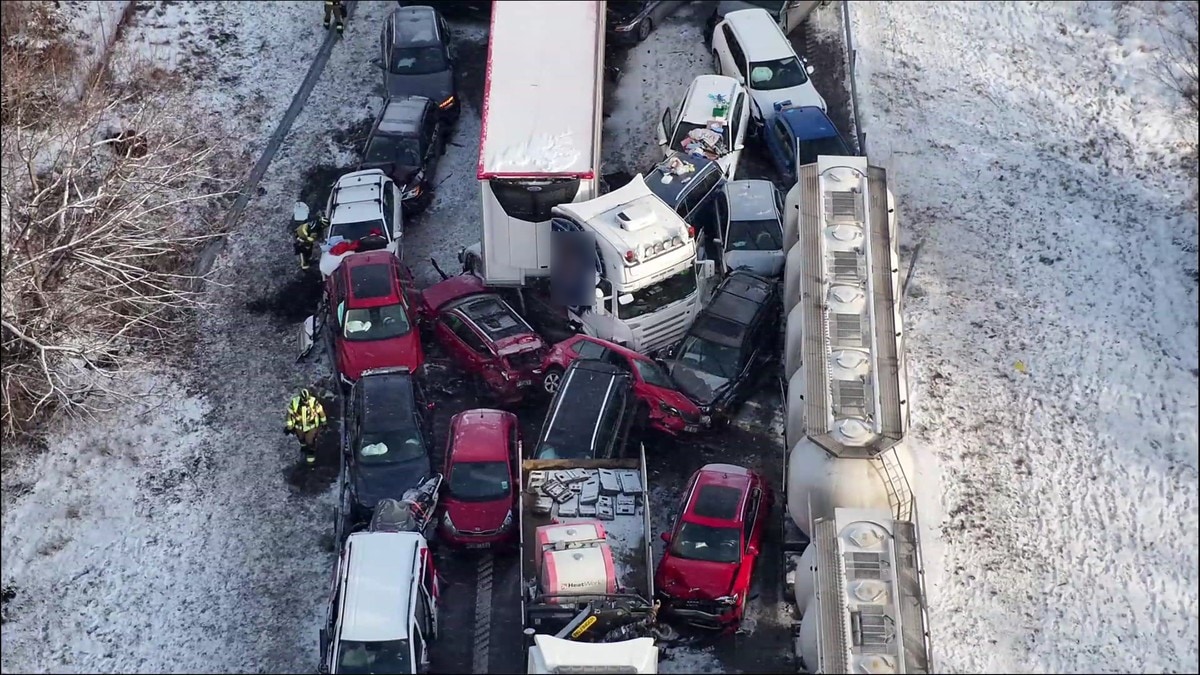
(305, 416)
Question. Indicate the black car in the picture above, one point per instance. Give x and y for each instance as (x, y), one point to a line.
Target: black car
(692, 186)
(417, 59)
(452, 8)
(729, 346)
(591, 415)
(406, 143)
(387, 442)
(630, 21)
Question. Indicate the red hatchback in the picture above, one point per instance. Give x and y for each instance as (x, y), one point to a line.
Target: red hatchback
(370, 320)
(704, 576)
(485, 337)
(481, 470)
(667, 409)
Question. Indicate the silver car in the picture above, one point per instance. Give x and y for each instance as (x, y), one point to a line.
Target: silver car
(751, 236)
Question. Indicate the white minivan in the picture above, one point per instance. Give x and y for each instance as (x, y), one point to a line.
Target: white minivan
(711, 122)
(383, 607)
(749, 46)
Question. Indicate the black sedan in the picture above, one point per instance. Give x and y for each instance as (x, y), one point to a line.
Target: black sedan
(406, 142)
(630, 21)
(730, 345)
(417, 58)
(387, 445)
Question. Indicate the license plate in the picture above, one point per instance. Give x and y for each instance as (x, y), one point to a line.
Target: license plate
(691, 428)
(483, 545)
(525, 383)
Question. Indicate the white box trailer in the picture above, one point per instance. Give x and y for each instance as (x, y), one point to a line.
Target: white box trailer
(542, 121)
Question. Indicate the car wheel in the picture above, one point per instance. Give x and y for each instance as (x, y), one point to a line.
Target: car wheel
(716, 63)
(644, 29)
(551, 380)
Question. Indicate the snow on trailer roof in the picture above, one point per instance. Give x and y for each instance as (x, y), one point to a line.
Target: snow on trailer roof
(539, 99)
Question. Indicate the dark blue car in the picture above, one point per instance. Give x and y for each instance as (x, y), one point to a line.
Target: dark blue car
(797, 136)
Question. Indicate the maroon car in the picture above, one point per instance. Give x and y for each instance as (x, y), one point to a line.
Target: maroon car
(485, 338)
(481, 470)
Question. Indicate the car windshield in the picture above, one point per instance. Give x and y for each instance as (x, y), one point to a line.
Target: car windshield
(376, 323)
(356, 231)
(362, 658)
(653, 375)
(421, 60)
(755, 235)
(399, 150)
(391, 447)
(779, 74)
(653, 298)
(808, 151)
(708, 357)
(710, 544)
(479, 481)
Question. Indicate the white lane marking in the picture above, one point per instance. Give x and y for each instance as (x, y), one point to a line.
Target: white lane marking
(483, 614)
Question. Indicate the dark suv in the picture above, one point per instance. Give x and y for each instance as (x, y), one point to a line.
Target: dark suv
(591, 415)
(729, 346)
(386, 444)
(417, 60)
(406, 143)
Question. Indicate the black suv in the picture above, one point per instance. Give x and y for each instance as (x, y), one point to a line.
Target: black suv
(386, 444)
(417, 59)
(729, 346)
(406, 143)
(591, 415)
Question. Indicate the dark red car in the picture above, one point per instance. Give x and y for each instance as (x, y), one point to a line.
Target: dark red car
(485, 337)
(371, 322)
(664, 407)
(481, 470)
(704, 576)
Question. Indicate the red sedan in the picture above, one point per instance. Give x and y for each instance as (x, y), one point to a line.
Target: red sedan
(663, 406)
(485, 337)
(481, 472)
(704, 576)
(370, 321)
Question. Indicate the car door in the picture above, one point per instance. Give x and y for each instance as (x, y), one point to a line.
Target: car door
(464, 345)
(751, 517)
(514, 455)
(779, 142)
(741, 121)
(733, 59)
(666, 129)
(385, 44)
(429, 142)
(393, 214)
(329, 629)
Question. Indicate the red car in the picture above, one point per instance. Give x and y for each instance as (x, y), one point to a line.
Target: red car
(485, 337)
(664, 407)
(481, 472)
(371, 322)
(704, 576)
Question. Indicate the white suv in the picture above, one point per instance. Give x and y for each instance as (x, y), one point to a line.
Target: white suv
(362, 203)
(711, 122)
(749, 46)
(383, 607)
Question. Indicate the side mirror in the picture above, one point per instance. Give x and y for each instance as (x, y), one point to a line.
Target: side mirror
(752, 549)
(308, 332)
(717, 241)
(810, 70)
(300, 212)
(666, 537)
(739, 146)
(624, 299)
(706, 269)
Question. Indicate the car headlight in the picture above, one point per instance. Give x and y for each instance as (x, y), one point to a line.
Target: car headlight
(447, 103)
(624, 28)
(447, 523)
(669, 409)
(508, 520)
(730, 600)
(414, 186)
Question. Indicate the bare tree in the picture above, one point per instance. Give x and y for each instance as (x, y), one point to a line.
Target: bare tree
(1179, 59)
(100, 212)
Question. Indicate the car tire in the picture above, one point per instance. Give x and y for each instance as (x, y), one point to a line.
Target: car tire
(716, 63)
(552, 380)
(644, 29)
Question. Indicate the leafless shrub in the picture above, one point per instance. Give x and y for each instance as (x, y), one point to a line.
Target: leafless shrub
(37, 62)
(1179, 59)
(99, 214)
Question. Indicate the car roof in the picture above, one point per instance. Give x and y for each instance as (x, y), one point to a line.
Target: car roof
(808, 123)
(580, 402)
(719, 495)
(381, 571)
(415, 26)
(492, 315)
(402, 115)
(372, 283)
(759, 35)
(733, 306)
(480, 435)
(670, 191)
(388, 400)
(698, 107)
(751, 200)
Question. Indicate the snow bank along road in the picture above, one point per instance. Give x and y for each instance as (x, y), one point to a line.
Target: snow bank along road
(177, 538)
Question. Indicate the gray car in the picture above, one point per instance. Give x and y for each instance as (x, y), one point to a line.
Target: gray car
(752, 234)
(417, 59)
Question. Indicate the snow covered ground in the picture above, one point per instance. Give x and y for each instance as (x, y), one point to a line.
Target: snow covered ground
(1052, 322)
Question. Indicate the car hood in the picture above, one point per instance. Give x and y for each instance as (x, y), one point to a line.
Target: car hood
(405, 351)
(373, 482)
(622, 12)
(695, 579)
(471, 517)
(434, 86)
(697, 385)
(767, 264)
(803, 95)
(400, 173)
(677, 400)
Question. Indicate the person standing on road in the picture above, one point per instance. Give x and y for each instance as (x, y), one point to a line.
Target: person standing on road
(307, 233)
(337, 9)
(305, 417)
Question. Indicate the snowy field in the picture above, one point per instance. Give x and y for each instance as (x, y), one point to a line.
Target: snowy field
(1036, 162)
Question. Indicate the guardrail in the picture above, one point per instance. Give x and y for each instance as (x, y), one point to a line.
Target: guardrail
(852, 72)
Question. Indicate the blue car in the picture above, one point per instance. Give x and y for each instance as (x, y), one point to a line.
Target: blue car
(797, 136)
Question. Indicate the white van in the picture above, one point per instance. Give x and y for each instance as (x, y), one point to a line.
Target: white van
(750, 47)
(383, 606)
